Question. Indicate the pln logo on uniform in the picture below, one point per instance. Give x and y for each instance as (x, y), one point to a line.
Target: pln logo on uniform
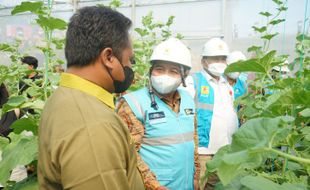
(204, 90)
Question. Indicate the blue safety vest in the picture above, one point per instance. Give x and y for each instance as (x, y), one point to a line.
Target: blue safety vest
(168, 142)
(204, 99)
(240, 88)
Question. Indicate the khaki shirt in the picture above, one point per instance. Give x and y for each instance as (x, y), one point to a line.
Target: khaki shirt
(82, 143)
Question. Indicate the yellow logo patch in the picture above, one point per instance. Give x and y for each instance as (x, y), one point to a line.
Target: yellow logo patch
(204, 90)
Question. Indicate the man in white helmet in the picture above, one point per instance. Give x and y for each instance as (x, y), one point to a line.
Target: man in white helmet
(161, 120)
(217, 119)
(281, 71)
(239, 86)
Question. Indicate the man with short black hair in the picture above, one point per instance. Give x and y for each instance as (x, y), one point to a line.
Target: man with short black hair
(83, 144)
(31, 61)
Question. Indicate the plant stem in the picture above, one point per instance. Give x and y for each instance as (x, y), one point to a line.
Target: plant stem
(288, 156)
(48, 34)
(285, 162)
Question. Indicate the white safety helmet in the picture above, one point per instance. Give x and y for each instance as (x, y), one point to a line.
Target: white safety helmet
(235, 56)
(232, 58)
(283, 67)
(172, 50)
(215, 47)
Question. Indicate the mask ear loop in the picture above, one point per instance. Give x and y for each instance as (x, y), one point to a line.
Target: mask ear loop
(151, 92)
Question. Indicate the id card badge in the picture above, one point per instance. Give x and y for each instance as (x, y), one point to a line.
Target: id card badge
(157, 117)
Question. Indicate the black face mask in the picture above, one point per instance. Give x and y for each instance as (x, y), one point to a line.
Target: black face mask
(122, 86)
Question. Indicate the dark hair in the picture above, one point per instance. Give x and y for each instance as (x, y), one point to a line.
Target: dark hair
(4, 95)
(93, 29)
(29, 60)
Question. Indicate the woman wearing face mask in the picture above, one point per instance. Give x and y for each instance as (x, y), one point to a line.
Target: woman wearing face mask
(216, 116)
(161, 120)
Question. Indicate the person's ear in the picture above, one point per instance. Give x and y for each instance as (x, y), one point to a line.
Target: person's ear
(107, 58)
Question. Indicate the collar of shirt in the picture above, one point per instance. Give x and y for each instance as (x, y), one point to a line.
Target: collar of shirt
(73, 81)
(210, 78)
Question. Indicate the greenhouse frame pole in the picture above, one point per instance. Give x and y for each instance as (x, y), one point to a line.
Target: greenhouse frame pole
(223, 17)
(133, 14)
(75, 5)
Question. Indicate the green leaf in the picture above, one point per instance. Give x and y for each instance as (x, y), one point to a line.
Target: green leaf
(305, 112)
(267, 59)
(306, 131)
(251, 65)
(293, 166)
(21, 151)
(302, 37)
(37, 104)
(3, 142)
(51, 23)
(260, 30)
(25, 124)
(16, 101)
(170, 20)
(33, 7)
(141, 32)
(217, 159)
(148, 19)
(7, 48)
(266, 14)
(59, 43)
(269, 36)
(278, 2)
(259, 183)
(227, 172)
(282, 8)
(248, 148)
(179, 36)
(256, 133)
(277, 21)
(115, 4)
(289, 186)
(254, 48)
(27, 184)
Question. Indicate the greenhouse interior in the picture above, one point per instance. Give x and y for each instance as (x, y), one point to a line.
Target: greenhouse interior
(155, 94)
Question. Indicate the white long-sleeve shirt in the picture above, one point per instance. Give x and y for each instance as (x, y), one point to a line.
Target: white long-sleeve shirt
(224, 120)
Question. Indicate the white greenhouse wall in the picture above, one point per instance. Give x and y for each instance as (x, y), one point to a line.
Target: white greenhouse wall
(197, 20)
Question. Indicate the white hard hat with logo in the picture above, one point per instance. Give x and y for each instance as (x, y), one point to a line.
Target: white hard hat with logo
(235, 56)
(172, 50)
(215, 47)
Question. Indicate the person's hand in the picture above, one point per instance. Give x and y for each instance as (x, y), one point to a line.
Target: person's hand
(162, 188)
(196, 184)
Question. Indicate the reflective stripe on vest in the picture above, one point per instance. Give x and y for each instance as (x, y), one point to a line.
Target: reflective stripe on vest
(173, 139)
(204, 106)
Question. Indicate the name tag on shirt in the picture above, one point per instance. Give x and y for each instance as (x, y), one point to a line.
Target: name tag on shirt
(189, 111)
(157, 117)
